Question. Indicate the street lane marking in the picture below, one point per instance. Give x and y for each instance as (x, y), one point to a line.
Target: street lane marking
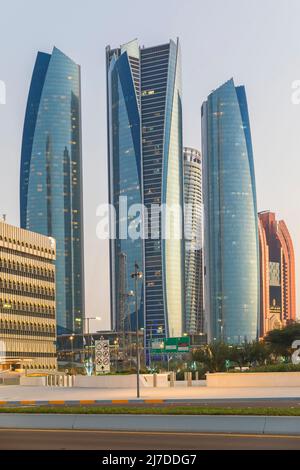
(153, 401)
(158, 433)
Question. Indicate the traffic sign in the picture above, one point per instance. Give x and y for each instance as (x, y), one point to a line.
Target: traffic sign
(171, 345)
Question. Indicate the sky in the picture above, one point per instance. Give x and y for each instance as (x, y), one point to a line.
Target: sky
(254, 41)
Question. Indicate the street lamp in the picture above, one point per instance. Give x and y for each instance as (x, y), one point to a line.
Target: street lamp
(88, 319)
(136, 275)
(221, 322)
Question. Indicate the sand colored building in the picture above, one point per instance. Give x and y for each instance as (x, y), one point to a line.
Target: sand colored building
(27, 299)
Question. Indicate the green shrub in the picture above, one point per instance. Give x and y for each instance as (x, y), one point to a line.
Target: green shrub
(272, 368)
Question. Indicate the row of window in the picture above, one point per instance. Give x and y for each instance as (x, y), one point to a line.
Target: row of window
(12, 306)
(26, 354)
(26, 255)
(23, 268)
(30, 290)
(27, 245)
(18, 327)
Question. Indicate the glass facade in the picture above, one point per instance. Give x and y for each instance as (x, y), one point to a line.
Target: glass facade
(125, 181)
(231, 232)
(152, 174)
(193, 228)
(163, 185)
(51, 176)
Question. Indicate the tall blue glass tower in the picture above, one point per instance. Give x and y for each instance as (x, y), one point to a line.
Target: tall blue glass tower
(145, 166)
(51, 177)
(231, 233)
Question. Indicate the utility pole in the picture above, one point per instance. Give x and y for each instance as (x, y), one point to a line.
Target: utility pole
(137, 275)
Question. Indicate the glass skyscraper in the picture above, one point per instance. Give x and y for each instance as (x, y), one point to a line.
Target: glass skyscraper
(231, 232)
(145, 165)
(193, 227)
(51, 176)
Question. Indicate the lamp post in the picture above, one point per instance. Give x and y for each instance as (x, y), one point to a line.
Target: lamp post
(88, 319)
(221, 323)
(136, 275)
(116, 343)
(71, 338)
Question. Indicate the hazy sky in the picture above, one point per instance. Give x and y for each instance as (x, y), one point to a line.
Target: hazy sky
(255, 41)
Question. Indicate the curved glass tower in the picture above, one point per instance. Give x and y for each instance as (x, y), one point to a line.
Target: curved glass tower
(163, 186)
(51, 176)
(231, 232)
(145, 165)
(125, 180)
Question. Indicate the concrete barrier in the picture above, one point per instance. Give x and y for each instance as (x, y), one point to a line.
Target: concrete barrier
(119, 381)
(253, 379)
(33, 381)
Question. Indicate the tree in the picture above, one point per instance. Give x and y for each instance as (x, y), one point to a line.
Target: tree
(280, 341)
(213, 356)
(247, 354)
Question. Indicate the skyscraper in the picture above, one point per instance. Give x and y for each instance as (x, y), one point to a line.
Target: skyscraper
(145, 166)
(231, 234)
(193, 227)
(51, 176)
(277, 273)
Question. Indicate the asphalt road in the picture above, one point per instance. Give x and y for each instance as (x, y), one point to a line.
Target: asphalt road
(11, 439)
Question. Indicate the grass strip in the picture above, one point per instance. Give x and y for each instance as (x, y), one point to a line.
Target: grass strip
(172, 410)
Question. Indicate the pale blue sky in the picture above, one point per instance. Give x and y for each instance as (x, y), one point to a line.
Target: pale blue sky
(255, 41)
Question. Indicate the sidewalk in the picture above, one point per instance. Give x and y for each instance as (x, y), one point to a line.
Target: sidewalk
(16, 393)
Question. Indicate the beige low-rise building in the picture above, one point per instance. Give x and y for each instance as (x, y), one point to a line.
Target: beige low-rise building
(27, 300)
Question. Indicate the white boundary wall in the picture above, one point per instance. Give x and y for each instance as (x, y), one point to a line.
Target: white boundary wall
(253, 379)
(119, 381)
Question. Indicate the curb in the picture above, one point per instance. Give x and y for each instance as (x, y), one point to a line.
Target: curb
(247, 425)
(6, 403)
(136, 401)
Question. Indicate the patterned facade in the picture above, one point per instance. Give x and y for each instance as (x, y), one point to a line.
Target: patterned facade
(193, 228)
(277, 273)
(27, 299)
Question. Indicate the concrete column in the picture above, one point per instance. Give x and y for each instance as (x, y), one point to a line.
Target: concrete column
(189, 379)
(172, 379)
(154, 380)
(197, 375)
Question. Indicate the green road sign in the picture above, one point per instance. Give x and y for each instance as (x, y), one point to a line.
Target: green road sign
(183, 344)
(171, 345)
(157, 346)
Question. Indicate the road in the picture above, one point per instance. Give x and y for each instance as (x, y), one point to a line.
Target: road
(16, 439)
